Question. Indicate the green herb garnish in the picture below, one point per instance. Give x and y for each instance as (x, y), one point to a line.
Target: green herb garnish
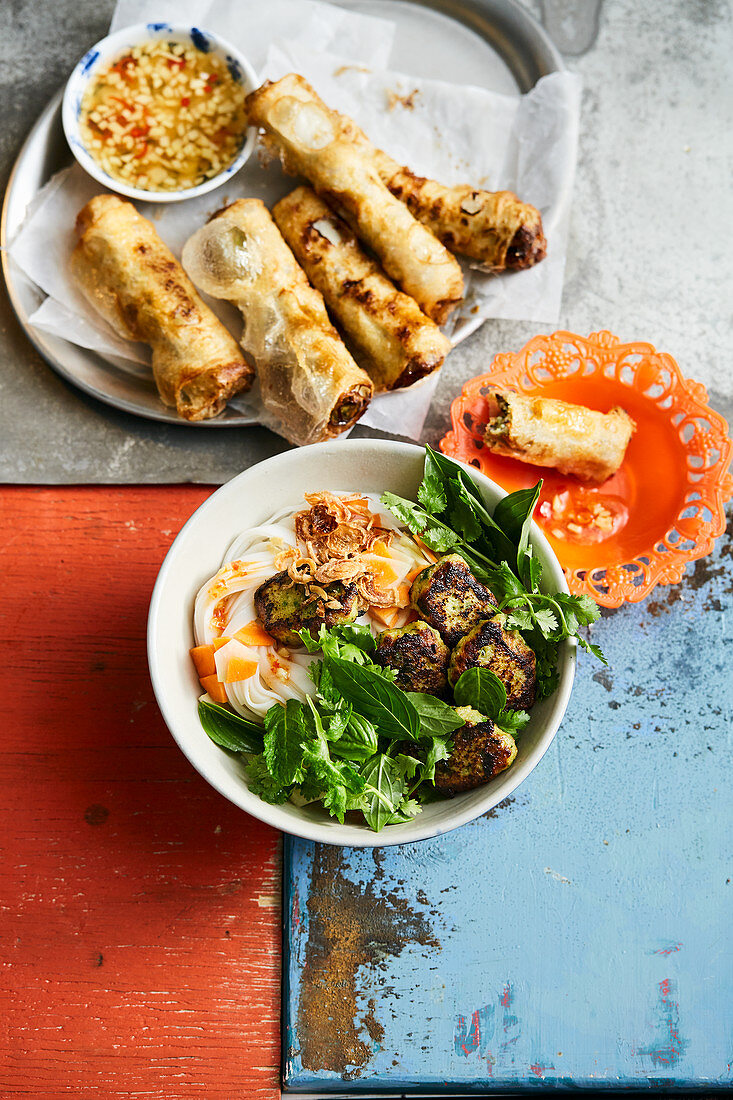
(362, 743)
(482, 689)
(451, 517)
(229, 730)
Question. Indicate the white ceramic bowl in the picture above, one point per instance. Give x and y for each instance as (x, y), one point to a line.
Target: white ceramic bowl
(115, 45)
(197, 553)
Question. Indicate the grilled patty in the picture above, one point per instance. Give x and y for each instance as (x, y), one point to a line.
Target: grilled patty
(480, 751)
(285, 608)
(448, 596)
(505, 653)
(418, 654)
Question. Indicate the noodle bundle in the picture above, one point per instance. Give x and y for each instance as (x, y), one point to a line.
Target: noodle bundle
(225, 604)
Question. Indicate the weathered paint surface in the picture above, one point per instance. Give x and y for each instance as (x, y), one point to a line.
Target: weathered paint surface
(139, 910)
(579, 933)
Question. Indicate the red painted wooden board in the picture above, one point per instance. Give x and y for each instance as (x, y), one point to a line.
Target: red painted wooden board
(139, 910)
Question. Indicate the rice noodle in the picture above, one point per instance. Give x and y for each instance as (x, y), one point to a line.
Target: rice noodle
(225, 603)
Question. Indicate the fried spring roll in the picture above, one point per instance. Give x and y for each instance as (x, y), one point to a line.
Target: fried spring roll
(139, 287)
(390, 337)
(309, 383)
(493, 227)
(326, 148)
(546, 432)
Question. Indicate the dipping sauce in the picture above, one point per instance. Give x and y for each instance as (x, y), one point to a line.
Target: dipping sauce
(583, 515)
(163, 117)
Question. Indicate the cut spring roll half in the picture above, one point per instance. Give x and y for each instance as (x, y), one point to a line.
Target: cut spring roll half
(390, 336)
(492, 227)
(309, 384)
(546, 432)
(139, 287)
(328, 149)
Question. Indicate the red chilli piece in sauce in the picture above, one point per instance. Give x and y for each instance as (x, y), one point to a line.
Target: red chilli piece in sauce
(123, 67)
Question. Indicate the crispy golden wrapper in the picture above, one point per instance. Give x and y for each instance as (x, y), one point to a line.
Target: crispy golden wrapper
(311, 387)
(546, 432)
(389, 335)
(492, 227)
(329, 150)
(139, 287)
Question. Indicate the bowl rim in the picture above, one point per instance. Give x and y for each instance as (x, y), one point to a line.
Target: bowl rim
(116, 42)
(351, 835)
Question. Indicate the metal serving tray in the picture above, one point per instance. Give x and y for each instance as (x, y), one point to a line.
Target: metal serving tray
(495, 44)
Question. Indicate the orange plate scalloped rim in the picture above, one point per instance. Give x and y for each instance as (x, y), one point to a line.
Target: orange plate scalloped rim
(661, 510)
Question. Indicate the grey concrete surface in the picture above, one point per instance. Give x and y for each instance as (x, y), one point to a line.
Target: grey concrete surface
(648, 257)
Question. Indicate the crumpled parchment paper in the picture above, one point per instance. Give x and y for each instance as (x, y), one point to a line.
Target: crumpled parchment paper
(453, 133)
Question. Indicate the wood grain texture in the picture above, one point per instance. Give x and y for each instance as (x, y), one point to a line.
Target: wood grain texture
(139, 910)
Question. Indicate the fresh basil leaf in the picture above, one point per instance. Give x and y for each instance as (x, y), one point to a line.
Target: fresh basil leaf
(377, 699)
(286, 733)
(514, 515)
(531, 571)
(312, 644)
(431, 493)
(383, 791)
(359, 740)
(439, 749)
(437, 719)
(514, 512)
(481, 689)
(229, 730)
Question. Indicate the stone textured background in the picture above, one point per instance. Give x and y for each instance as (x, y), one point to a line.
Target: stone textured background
(648, 256)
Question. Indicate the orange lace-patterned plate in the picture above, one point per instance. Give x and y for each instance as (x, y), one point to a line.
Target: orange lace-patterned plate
(661, 510)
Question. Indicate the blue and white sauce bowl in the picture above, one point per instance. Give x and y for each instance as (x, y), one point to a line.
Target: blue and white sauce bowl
(116, 46)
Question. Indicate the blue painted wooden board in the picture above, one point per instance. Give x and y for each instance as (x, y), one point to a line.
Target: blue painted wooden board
(578, 934)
